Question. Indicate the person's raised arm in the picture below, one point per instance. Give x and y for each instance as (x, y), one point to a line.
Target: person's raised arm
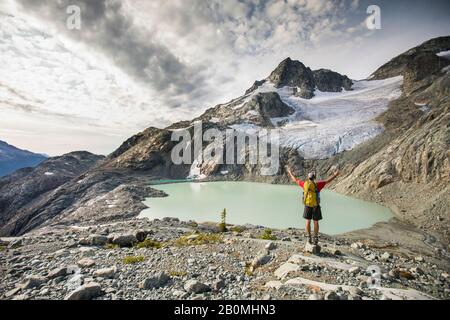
(332, 177)
(291, 175)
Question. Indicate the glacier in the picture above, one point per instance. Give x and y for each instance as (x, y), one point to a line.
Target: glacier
(330, 122)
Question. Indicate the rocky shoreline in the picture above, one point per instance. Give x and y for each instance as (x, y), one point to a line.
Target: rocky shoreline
(172, 259)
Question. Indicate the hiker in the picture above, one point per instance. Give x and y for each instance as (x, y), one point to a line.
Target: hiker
(311, 200)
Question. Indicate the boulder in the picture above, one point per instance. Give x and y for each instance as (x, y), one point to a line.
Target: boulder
(155, 281)
(32, 282)
(270, 245)
(125, 240)
(218, 285)
(85, 263)
(195, 286)
(106, 272)
(285, 269)
(98, 240)
(85, 292)
(57, 272)
(261, 260)
(331, 295)
(312, 248)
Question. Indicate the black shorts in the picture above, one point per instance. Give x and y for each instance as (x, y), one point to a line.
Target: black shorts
(312, 213)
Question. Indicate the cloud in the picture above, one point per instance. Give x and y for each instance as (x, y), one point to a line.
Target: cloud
(107, 27)
(140, 63)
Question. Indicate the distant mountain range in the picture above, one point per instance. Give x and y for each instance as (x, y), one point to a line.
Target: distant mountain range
(12, 158)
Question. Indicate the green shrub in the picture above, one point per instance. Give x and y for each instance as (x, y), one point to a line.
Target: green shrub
(2, 248)
(193, 239)
(248, 269)
(133, 259)
(238, 229)
(149, 243)
(267, 235)
(111, 246)
(176, 273)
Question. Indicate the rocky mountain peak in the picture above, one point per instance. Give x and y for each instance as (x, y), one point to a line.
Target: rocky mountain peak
(293, 73)
(330, 81)
(416, 64)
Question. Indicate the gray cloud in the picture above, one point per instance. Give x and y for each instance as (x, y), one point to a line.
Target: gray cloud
(107, 27)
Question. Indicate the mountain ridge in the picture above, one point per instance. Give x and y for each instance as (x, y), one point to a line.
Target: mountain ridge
(13, 158)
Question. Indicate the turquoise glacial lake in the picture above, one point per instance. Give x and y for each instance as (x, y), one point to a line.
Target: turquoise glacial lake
(274, 206)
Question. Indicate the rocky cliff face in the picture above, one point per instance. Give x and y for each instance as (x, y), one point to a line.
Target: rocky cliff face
(409, 166)
(257, 109)
(21, 190)
(12, 159)
(330, 81)
(417, 64)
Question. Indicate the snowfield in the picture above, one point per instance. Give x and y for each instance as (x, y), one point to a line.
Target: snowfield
(444, 54)
(331, 122)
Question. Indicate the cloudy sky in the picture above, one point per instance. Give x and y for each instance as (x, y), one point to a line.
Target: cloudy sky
(137, 63)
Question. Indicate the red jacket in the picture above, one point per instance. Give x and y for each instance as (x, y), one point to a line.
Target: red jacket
(319, 184)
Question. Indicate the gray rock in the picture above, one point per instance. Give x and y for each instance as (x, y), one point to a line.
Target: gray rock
(155, 281)
(98, 240)
(85, 263)
(140, 235)
(125, 240)
(85, 292)
(261, 260)
(354, 270)
(371, 257)
(386, 256)
(315, 296)
(32, 282)
(357, 245)
(106, 272)
(270, 245)
(218, 285)
(312, 248)
(331, 295)
(58, 272)
(12, 292)
(194, 286)
(180, 294)
(353, 291)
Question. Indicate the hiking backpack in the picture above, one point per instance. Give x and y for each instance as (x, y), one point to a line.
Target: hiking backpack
(310, 196)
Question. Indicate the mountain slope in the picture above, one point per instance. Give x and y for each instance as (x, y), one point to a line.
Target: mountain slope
(21, 189)
(410, 170)
(12, 158)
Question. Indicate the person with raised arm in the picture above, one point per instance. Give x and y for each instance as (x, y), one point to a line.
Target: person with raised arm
(311, 200)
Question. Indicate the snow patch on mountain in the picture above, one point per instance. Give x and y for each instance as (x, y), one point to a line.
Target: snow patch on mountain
(444, 54)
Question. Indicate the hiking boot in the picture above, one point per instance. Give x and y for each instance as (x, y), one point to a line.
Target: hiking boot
(316, 239)
(308, 239)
